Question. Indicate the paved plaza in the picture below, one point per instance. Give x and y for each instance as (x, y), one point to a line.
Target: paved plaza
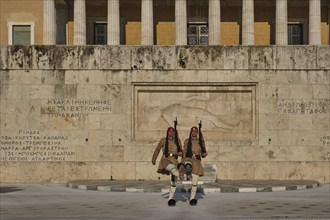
(56, 201)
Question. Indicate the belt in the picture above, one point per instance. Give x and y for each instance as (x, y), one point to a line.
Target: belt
(172, 155)
(198, 157)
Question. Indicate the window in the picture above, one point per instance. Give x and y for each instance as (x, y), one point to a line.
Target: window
(198, 34)
(295, 34)
(20, 33)
(100, 33)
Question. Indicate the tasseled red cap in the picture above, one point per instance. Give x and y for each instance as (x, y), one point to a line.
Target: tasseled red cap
(170, 129)
(194, 128)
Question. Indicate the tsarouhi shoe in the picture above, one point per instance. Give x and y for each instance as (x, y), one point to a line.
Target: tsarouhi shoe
(193, 202)
(171, 202)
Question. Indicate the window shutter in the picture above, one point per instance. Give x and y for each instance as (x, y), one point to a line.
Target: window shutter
(21, 34)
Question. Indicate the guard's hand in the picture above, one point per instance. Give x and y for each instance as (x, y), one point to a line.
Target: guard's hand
(180, 154)
(204, 155)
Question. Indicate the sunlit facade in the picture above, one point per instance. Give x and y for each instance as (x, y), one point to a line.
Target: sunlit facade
(165, 22)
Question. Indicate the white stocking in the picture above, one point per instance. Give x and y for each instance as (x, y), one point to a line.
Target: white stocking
(172, 169)
(173, 187)
(194, 186)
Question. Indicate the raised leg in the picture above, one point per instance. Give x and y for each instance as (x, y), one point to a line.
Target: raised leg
(172, 169)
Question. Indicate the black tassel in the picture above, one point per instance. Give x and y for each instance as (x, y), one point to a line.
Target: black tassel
(189, 147)
(201, 139)
(166, 145)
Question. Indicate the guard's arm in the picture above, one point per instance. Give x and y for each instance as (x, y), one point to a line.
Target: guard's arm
(156, 152)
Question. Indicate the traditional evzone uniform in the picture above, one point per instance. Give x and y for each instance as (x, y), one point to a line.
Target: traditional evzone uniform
(169, 161)
(193, 150)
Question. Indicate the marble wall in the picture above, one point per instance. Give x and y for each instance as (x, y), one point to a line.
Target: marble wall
(98, 112)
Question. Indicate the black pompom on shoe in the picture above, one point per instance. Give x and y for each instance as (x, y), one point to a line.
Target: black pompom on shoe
(171, 202)
(193, 202)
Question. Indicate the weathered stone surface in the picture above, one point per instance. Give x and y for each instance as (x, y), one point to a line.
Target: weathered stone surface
(236, 57)
(4, 77)
(86, 112)
(23, 77)
(296, 57)
(43, 57)
(242, 170)
(164, 57)
(20, 57)
(3, 57)
(313, 170)
(223, 170)
(143, 173)
(66, 57)
(9, 175)
(115, 57)
(65, 91)
(318, 77)
(323, 57)
(124, 170)
(199, 57)
(210, 171)
(138, 153)
(99, 170)
(75, 170)
(77, 57)
(293, 78)
(141, 57)
(261, 57)
(49, 172)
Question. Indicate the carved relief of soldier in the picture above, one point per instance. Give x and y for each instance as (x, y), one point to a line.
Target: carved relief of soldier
(190, 165)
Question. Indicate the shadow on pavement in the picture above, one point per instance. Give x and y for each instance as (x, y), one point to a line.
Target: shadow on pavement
(9, 189)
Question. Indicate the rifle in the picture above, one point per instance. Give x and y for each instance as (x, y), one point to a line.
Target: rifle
(176, 135)
(201, 138)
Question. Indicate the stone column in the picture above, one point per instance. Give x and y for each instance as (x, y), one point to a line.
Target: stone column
(113, 23)
(329, 24)
(281, 22)
(147, 23)
(214, 22)
(79, 28)
(247, 22)
(180, 22)
(314, 22)
(49, 27)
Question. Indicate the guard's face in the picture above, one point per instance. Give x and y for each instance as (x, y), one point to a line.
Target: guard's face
(171, 133)
(194, 133)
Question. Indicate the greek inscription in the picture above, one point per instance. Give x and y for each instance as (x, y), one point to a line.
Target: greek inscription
(325, 140)
(303, 107)
(75, 108)
(326, 157)
(32, 145)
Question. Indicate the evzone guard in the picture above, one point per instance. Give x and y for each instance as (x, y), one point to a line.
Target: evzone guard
(171, 148)
(193, 150)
